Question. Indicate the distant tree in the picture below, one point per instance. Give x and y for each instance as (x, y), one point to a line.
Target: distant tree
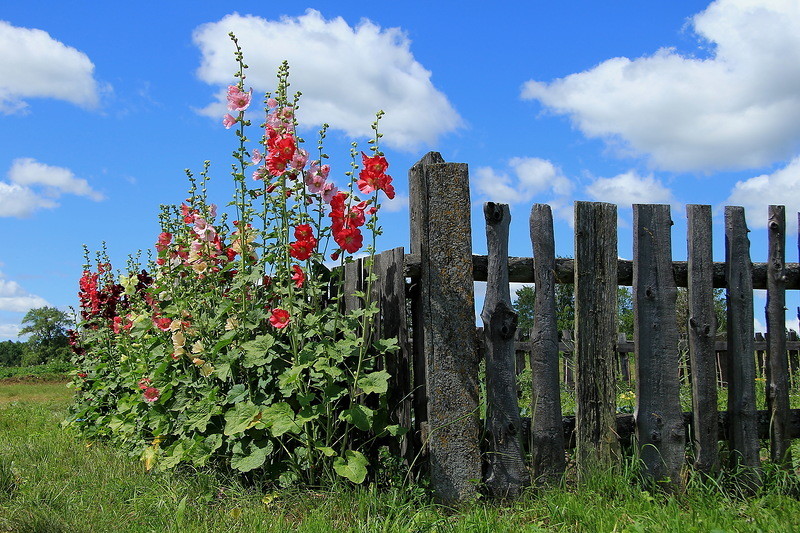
(625, 311)
(47, 327)
(565, 308)
(11, 353)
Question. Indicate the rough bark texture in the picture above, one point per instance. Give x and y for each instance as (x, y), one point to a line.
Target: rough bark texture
(392, 324)
(505, 474)
(659, 423)
(702, 330)
(743, 434)
(547, 436)
(595, 335)
(777, 364)
(442, 234)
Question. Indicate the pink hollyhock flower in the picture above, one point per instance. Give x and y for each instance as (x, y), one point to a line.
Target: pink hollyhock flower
(164, 239)
(257, 157)
(238, 100)
(228, 121)
(299, 160)
(279, 318)
(271, 102)
(329, 190)
(298, 276)
(151, 394)
(203, 229)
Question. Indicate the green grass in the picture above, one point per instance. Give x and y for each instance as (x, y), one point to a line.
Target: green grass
(52, 481)
(55, 371)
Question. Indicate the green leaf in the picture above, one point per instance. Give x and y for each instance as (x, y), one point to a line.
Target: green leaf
(241, 417)
(223, 371)
(327, 451)
(395, 430)
(353, 466)
(237, 394)
(374, 382)
(279, 418)
(360, 416)
(257, 351)
(251, 456)
(223, 341)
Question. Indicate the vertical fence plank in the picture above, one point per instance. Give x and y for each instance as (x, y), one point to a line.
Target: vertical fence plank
(547, 433)
(743, 423)
(777, 365)
(441, 232)
(505, 473)
(659, 422)
(393, 324)
(597, 446)
(702, 330)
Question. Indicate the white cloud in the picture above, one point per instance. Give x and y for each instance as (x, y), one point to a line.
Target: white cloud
(346, 74)
(739, 108)
(531, 177)
(33, 185)
(34, 65)
(628, 189)
(779, 188)
(9, 331)
(16, 299)
(398, 203)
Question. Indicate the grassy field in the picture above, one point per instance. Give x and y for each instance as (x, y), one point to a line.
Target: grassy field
(52, 481)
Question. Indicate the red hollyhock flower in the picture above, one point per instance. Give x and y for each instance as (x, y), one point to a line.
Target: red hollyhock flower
(303, 232)
(298, 276)
(151, 394)
(279, 318)
(162, 323)
(144, 383)
(349, 239)
(301, 250)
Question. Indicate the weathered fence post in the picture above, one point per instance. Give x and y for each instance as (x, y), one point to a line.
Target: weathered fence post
(547, 429)
(659, 421)
(777, 366)
(505, 474)
(702, 330)
(596, 258)
(441, 234)
(393, 324)
(743, 422)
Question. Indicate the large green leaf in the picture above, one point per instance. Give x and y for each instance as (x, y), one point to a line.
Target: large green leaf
(241, 417)
(250, 456)
(360, 416)
(279, 418)
(374, 382)
(352, 466)
(257, 351)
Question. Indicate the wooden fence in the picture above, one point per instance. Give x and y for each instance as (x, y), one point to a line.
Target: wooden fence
(435, 387)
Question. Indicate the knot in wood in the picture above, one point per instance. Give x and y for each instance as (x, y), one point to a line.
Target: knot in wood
(493, 212)
(503, 323)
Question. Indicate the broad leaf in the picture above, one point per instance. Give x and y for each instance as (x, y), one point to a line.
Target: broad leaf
(374, 382)
(360, 416)
(353, 466)
(279, 418)
(240, 417)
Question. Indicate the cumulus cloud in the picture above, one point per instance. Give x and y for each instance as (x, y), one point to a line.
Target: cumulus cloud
(9, 331)
(738, 108)
(530, 176)
(33, 186)
(16, 299)
(782, 187)
(630, 188)
(346, 74)
(34, 65)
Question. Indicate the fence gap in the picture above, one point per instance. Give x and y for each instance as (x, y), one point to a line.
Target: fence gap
(547, 433)
(597, 447)
(742, 419)
(777, 365)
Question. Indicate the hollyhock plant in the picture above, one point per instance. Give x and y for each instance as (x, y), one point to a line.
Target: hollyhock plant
(239, 319)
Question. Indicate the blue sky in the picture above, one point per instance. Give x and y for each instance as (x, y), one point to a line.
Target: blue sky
(102, 109)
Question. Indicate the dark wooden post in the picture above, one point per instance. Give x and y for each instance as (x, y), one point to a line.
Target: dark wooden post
(441, 234)
(777, 367)
(505, 474)
(761, 354)
(659, 422)
(392, 304)
(569, 358)
(702, 330)
(743, 422)
(547, 433)
(622, 357)
(596, 258)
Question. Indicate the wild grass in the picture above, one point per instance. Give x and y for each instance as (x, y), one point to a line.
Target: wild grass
(52, 481)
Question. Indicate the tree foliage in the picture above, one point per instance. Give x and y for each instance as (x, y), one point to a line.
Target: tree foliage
(47, 330)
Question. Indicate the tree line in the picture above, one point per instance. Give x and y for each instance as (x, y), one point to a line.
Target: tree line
(47, 342)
